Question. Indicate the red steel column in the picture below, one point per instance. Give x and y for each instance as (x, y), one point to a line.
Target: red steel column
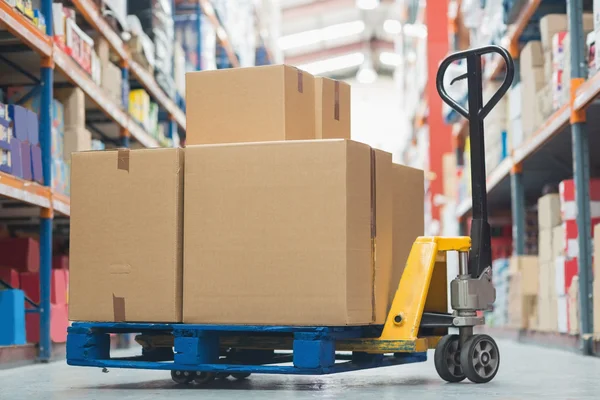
(440, 134)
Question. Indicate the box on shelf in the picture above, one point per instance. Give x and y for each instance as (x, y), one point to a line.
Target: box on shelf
(60, 176)
(250, 105)
(573, 304)
(278, 235)
(59, 322)
(549, 215)
(12, 309)
(73, 102)
(550, 24)
(112, 81)
(332, 109)
(76, 139)
(36, 164)
(532, 55)
(547, 298)
(559, 276)
(545, 245)
(562, 314)
(22, 254)
(139, 106)
(558, 242)
(10, 276)
(117, 285)
(527, 267)
(521, 307)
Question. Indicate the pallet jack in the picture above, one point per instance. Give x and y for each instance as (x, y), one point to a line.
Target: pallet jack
(417, 321)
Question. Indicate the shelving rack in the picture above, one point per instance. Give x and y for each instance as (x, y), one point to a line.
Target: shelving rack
(559, 149)
(52, 59)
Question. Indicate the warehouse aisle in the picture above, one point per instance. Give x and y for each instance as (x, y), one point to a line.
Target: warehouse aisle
(526, 372)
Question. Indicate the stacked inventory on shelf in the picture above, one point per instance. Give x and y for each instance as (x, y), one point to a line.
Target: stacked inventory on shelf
(528, 152)
(97, 52)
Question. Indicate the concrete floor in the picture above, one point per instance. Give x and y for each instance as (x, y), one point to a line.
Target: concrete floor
(526, 372)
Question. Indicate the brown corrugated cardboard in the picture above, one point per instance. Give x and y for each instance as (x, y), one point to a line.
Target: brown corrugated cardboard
(408, 221)
(112, 81)
(553, 23)
(284, 240)
(76, 139)
(126, 236)
(73, 100)
(520, 307)
(545, 250)
(574, 306)
(558, 242)
(532, 55)
(383, 233)
(332, 109)
(250, 105)
(549, 211)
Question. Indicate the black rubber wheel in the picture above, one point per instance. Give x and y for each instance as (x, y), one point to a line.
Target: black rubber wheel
(241, 376)
(447, 359)
(204, 377)
(222, 375)
(480, 358)
(182, 377)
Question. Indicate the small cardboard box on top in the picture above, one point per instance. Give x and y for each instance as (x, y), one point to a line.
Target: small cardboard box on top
(332, 109)
(255, 104)
(126, 236)
(296, 227)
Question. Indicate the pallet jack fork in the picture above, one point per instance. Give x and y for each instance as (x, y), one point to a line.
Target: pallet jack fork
(417, 321)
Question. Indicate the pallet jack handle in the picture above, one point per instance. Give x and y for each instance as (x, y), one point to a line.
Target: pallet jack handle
(481, 250)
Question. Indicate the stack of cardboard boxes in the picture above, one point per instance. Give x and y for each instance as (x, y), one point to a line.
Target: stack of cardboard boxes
(495, 124)
(270, 203)
(550, 233)
(522, 292)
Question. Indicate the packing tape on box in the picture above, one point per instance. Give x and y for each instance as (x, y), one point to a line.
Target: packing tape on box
(123, 159)
(300, 81)
(336, 108)
(373, 230)
(118, 308)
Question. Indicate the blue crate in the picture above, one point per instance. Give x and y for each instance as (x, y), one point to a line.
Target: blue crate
(312, 350)
(12, 310)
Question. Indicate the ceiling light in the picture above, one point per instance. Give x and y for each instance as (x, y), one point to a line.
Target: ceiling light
(320, 35)
(392, 26)
(391, 59)
(367, 74)
(367, 4)
(333, 64)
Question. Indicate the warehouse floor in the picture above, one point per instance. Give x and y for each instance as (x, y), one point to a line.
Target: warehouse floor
(525, 371)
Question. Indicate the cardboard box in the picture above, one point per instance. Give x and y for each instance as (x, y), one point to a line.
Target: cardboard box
(549, 214)
(532, 55)
(250, 105)
(332, 109)
(408, 217)
(131, 203)
(545, 251)
(559, 276)
(550, 24)
(73, 100)
(562, 315)
(22, 254)
(305, 222)
(112, 81)
(76, 139)
(558, 242)
(573, 304)
(520, 307)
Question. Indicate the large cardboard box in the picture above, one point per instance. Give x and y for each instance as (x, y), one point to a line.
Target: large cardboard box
(126, 236)
(550, 24)
(545, 250)
(573, 304)
(301, 236)
(521, 307)
(549, 214)
(558, 242)
(76, 139)
(332, 109)
(73, 100)
(250, 105)
(408, 217)
(532, 55)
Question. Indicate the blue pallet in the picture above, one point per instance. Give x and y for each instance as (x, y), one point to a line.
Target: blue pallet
(197, 348)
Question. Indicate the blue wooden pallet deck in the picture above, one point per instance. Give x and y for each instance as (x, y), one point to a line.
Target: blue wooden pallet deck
(212, 348)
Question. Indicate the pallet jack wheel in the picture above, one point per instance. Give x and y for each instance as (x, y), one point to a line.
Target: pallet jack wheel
(204, 377)
(222, 375)
(480, 358)
(241, 376)
(447, 359)
(182, 377)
